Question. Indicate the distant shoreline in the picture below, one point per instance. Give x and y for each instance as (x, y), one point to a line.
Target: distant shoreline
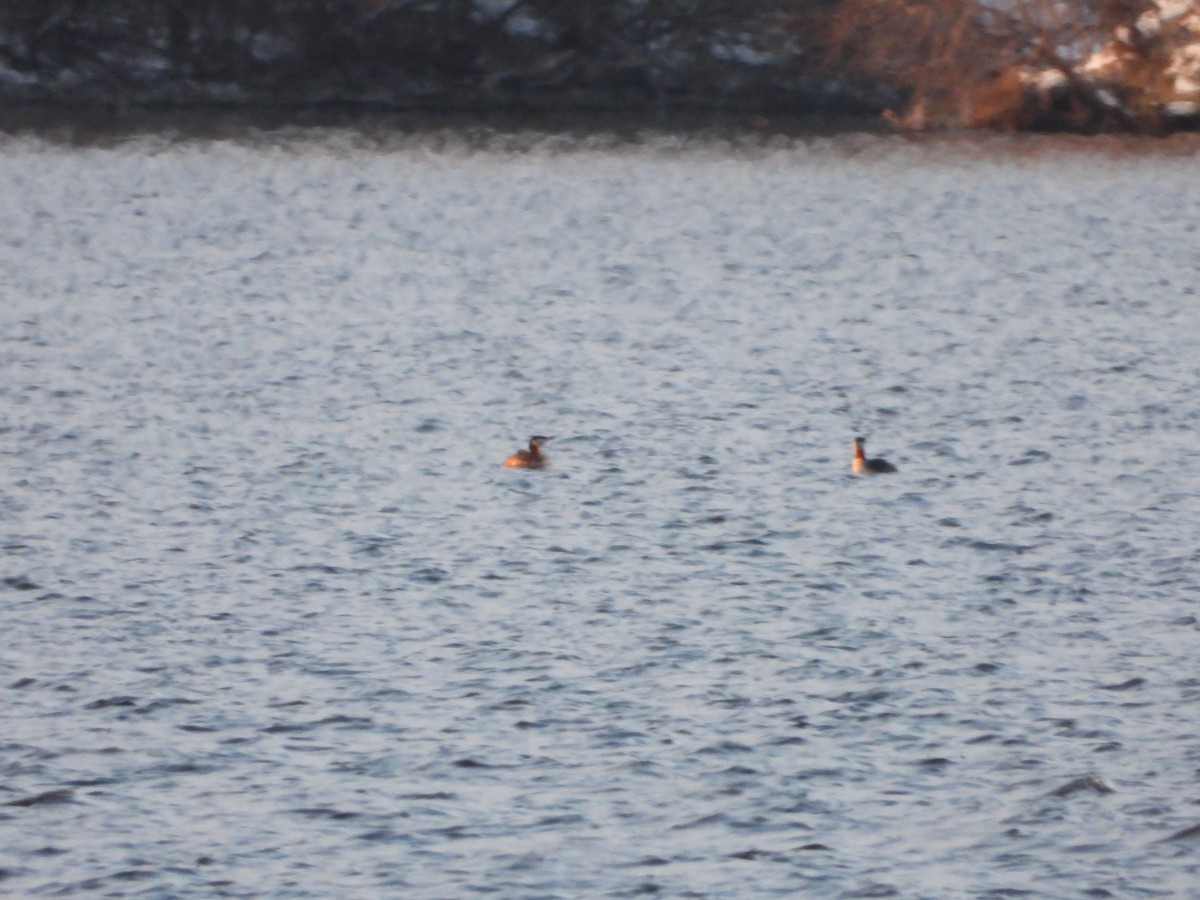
(518, 129)
(86, 123)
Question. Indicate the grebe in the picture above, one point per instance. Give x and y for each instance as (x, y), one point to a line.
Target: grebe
(864, 466)
(533, 458)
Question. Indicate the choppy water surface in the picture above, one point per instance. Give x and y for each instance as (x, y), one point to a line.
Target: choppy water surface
(278, 623)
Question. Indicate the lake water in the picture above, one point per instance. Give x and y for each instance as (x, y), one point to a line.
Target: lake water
(278, 622)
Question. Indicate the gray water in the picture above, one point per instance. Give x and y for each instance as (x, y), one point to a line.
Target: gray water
(277, 621)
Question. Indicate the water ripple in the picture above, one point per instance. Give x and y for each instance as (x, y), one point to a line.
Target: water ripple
(281, 624)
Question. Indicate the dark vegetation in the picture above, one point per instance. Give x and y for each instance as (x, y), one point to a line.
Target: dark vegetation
(411, 54)
(936, 61)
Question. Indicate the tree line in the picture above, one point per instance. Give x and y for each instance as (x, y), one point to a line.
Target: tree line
(926, 56)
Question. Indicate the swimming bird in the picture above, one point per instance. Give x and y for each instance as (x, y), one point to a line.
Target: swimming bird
(533, 458)
(864, 466)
